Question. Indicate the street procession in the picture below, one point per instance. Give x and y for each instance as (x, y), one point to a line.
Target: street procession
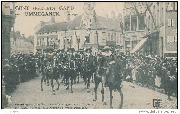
(105, 67)
(77, 62)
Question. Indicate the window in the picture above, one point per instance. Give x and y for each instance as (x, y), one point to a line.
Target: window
(103, 37)
(162, 15)
(38, 42)
(171, 39)
(109, 36)
(175, 38)
(154, 13)
(170, 22)
(141, 22)
(171, 6)
(157, 19)
(87, 40)
(133, 23)
(78, 39)
(175, 6)
(127, 23)
(112, 37)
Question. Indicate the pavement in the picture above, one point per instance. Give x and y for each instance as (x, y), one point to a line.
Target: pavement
(28, 95)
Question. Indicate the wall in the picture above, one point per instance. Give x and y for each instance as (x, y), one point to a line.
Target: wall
(170, 42)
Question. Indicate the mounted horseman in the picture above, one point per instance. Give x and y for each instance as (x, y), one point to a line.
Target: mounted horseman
(88, 68)
(109, 72)
(70, 69)
(52, 70)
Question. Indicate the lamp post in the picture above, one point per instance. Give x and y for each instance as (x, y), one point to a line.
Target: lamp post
(42, 48)
(70, 41)
(96, 29)
(64, 39)
(78, 39)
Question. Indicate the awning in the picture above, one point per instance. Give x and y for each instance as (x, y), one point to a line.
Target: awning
(139, 45)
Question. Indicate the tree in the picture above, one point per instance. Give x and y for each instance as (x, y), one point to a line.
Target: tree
(147, 6)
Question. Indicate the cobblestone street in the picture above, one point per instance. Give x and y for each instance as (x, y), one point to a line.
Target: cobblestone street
(29, 95)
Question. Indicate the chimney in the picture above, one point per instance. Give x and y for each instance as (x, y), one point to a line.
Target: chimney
(67, 16)
(52, 19)
(113, 14)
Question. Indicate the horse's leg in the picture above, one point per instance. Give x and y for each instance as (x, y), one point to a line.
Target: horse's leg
(78, 76)
(58, 84)
(43, 77)
(103, 91)
(88, 83)
(67, 80)
(121, 95)
(95, 90)
(85, 80)
(52, 85)
(62, 76)
(71, 84)
(74, 79)
(47, 79)
(110, 90)
(93, 77)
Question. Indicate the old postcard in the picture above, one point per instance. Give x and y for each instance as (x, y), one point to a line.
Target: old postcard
(89, 55)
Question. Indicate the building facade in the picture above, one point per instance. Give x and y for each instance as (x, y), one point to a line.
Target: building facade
(134, 28)
(73, 34)
(158, 35)
(8, 19)
(170, 30)
(18, 43)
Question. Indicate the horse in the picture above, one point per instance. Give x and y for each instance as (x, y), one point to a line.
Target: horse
(78, 69)
(110, 75)
(87, 71)
(43, 71)
(52, 73)
(69, 74)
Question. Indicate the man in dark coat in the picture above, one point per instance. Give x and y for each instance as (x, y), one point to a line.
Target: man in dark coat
(8, 77)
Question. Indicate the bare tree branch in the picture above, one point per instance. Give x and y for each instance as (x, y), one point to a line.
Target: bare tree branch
(149, 10)
(137, 12)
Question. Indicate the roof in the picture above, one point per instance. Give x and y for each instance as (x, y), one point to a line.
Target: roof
(101, 23)
(75, 23)
(61, 26)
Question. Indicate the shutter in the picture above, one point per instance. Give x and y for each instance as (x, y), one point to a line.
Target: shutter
(175, 38)
(172, 22)
(175, 6)
(171, 39)
(169, 22)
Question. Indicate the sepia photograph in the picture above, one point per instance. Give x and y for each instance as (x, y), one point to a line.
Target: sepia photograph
(89, 55)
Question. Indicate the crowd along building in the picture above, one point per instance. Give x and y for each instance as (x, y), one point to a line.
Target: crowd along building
(151, 28)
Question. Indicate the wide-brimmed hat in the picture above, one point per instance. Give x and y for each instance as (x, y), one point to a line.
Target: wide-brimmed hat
(106, 48)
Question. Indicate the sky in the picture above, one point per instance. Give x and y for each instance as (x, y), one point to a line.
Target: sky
(26, 24)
